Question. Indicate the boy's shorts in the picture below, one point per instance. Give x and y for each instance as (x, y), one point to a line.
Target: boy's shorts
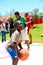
(25, 34)
(13, 53)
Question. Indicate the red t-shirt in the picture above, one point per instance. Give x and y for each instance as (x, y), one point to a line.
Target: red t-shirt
(28, 20)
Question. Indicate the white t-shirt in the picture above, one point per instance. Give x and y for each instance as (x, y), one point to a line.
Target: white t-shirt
(3, 27)
(16, 37)
(19, 37)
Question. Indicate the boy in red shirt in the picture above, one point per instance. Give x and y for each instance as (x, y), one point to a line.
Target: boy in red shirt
(28, 24)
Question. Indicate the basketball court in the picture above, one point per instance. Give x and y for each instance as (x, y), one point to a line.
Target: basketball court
(35, 58)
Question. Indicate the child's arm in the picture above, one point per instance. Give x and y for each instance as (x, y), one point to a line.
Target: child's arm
(14, 46)
(28, 22)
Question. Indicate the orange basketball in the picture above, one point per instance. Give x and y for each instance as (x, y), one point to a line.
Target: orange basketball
(24, 54)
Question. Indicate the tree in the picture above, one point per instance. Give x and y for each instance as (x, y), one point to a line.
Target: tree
(36, 13)
(41, 14)
(11, 14)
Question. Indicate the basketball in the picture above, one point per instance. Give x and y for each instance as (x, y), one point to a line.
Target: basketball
(24, 54)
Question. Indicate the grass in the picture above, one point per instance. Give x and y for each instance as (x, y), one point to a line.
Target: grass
(36, 34)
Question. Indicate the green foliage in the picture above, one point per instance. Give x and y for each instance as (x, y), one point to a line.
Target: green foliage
(36, 33)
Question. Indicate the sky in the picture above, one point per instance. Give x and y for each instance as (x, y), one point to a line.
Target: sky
(20, 5)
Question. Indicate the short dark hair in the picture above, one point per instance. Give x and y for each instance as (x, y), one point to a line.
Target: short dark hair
(26, 14)
(17, 13)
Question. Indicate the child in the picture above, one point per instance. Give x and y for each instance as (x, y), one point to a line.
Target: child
(14, 42)
(3, 31)
(28, 24)
(24, 30)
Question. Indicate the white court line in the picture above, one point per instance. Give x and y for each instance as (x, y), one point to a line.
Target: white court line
(35, 58)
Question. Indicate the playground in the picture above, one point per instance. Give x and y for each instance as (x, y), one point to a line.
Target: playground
(35, 55)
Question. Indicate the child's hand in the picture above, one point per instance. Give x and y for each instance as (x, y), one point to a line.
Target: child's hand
(19, 55)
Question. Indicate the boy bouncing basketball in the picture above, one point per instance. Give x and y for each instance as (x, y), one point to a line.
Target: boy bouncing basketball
(14, 42)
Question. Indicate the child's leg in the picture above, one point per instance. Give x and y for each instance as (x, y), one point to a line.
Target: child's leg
(14, 55)
(27, 42)
(15, 61)
(30, 38)
(30, 35)
(2, 36)
(20, 45)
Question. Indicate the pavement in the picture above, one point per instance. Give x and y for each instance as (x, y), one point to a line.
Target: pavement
(35, 55)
